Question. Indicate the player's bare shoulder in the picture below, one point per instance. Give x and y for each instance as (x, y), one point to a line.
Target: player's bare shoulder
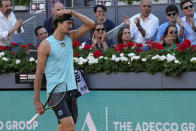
(44, 47)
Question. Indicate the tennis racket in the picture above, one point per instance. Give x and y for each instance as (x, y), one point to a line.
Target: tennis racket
(56, 99)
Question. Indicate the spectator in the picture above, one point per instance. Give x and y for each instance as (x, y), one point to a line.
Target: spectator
(124, 35)
(100, 13)
(143, 26)
(48, 22)
(189, 20)
(99, 38)
(8, 23)
(172, 16)
(41, 33)
(170, 38)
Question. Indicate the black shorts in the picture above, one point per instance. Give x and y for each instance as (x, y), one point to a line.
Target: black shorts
(67, 107)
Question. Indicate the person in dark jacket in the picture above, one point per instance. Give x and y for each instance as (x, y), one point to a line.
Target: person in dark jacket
(100, 13)
(48, 22)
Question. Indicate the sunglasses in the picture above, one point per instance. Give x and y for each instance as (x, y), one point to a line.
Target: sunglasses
(102, 29)
(171, 14)
(173, 32)
(186, 7)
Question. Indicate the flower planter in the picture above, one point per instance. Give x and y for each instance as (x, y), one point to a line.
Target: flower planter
(185, 81)
(129, 80)
(8, 82)
(12, 81)
(24, 77)
(142, 80)
(21, 8)
(119, 81)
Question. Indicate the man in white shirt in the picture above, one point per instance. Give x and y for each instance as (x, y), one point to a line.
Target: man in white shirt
(189, 20)
(8, 23)
(143, 26)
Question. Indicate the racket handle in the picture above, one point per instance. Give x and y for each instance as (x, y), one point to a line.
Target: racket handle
(33, 118)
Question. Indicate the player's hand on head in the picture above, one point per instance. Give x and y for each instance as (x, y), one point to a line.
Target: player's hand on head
(62, 12)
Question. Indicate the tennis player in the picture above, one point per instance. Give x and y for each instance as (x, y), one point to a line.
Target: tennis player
(55, 57)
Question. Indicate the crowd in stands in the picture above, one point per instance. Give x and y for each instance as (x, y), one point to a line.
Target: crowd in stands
(145, 26)
(139, 28)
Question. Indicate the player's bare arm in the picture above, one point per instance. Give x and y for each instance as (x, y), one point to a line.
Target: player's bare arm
(87, 25)
(43, 52)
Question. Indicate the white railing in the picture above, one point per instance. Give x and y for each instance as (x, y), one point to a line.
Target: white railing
(29, 25)
(112, 34)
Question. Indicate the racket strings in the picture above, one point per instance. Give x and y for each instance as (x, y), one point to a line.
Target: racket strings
(55, 99)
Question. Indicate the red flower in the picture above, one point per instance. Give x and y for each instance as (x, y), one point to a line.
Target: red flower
(160, 47)
(118, 47)
(130, 44)
(76, 54)
(76, 44)
(139, 50)
(28, 44)
(13, 43)
(97, 53)
(23, 46)
(178, 44)
(87, 47)
(13, 53)
(185, 44)
(149, 42)
(139, 45)
(193, 47)
(154, 44)
(3, 48)
(27, 49)
(157, 46)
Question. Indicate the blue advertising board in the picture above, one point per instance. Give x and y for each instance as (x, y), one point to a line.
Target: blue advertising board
(107, 110)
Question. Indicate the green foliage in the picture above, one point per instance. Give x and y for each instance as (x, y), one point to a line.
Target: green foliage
(168, 62)
(131, 1)
(22, 2)
(16, 62)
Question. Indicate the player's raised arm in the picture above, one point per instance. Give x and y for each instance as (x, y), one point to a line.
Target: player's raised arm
(87, 24)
